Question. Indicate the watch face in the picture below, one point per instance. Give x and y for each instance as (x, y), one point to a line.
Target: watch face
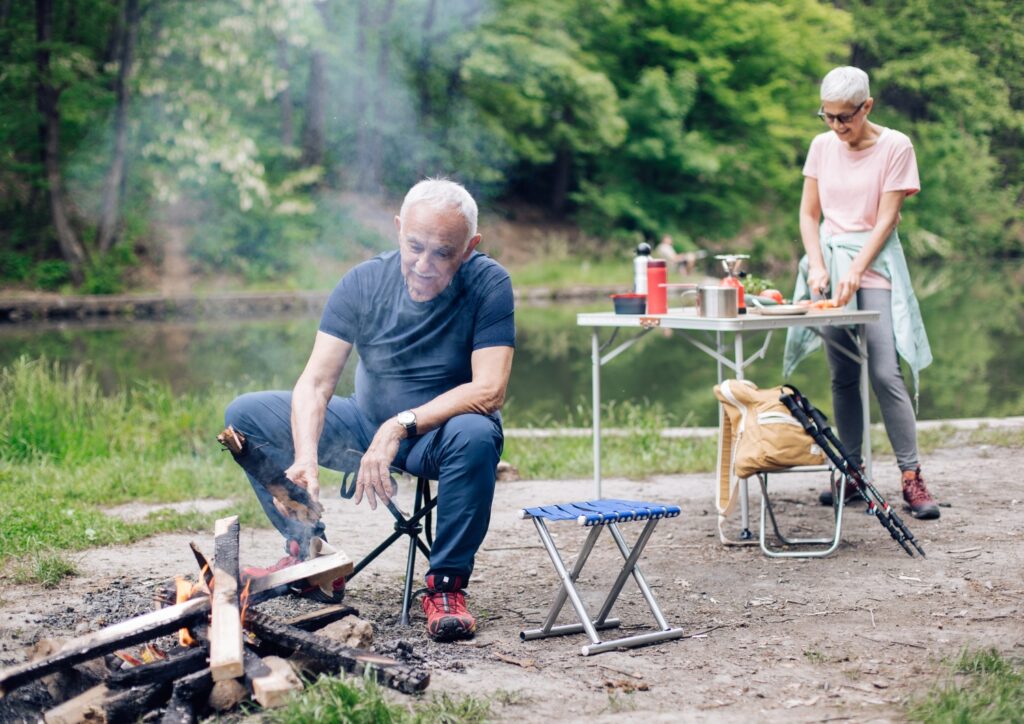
(406, 418)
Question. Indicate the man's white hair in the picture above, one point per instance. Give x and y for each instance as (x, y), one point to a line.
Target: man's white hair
(441, 193)
(845, 84)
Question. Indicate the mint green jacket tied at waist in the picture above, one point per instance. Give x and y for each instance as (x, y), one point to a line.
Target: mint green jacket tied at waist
(908, 327)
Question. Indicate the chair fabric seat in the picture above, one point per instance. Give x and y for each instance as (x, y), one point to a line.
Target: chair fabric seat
(600, 512)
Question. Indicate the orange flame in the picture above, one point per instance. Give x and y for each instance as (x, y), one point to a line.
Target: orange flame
(183, 592)
(244, 599)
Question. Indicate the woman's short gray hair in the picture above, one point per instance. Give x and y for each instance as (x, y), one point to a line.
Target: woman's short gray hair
(441, 193)
(845, 84)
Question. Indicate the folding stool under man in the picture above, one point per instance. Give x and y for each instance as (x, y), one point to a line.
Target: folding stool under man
(597, 515)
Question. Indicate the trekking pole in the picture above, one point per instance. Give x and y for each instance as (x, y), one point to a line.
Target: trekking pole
(877, 504)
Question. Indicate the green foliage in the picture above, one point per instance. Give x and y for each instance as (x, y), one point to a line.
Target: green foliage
(51, 274)
(47, 569)
(985, 687)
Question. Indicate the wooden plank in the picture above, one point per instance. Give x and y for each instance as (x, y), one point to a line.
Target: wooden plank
(226, 624)
(333, 657)
(76, 710)
(275, 687)
(127, 633)
(321, 569)
(189, 693)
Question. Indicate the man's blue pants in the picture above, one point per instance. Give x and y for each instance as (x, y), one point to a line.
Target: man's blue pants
(462, 455)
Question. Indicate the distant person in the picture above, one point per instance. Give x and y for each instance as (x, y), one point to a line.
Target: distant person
(856, 176)
(684, 262)
(432, 323)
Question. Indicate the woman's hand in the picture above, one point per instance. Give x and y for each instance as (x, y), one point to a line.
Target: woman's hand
(848, 286)
(817, 280)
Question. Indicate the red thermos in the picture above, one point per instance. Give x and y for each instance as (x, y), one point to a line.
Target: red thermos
(731, 281)
(657, 294)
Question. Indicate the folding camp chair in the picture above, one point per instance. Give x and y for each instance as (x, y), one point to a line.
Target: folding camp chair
(597, 515)
(800, 545)
(418, 527)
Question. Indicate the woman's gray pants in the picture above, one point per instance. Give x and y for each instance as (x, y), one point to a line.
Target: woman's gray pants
(886, 381)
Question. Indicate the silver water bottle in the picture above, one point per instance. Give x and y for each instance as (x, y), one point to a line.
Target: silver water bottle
(643, 255)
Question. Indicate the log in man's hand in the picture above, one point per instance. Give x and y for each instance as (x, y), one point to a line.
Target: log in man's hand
(305, 474)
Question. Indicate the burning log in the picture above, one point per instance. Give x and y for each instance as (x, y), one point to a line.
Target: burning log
(127, 633)
(294, 498)
(334, 657)
(226, 623)
(160, 672)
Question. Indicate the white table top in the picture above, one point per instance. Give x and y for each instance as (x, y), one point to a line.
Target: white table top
(686, 318)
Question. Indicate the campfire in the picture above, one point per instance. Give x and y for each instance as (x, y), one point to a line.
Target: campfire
(226, 651)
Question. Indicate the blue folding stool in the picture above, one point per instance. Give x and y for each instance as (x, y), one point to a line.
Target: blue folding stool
(597, 515)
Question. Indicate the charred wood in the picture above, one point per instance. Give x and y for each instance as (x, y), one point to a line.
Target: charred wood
(226, 621)
(188, 692)
(127, 633)
(314, 620)
(100, 704)
(160, 672)
(333, 657)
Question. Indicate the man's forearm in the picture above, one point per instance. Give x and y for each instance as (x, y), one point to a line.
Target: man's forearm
(309, 407)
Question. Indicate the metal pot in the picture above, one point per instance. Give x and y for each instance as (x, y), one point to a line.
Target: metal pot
(713, 301)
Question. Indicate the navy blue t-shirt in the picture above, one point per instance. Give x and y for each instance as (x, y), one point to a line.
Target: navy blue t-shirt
(411, 352)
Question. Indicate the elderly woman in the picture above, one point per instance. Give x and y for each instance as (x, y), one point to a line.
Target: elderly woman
(856, 176)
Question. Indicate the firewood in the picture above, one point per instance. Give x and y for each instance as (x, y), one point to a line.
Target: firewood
(351, 631)
(314, 620)
(160, 672)
(322, 569)
(100, 704)
(73, 680)
(254, 461)
(127, 633)
(226, 695)
(187, 694)
(272, 686)
(333, 657)
(226, 623)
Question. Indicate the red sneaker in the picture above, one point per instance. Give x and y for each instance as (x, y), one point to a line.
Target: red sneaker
(447, 616)
(916, 496)
(299, 588)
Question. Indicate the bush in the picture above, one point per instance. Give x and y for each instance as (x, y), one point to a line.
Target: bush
(51, 274)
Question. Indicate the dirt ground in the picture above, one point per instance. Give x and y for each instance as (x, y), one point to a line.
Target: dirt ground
(852, 636)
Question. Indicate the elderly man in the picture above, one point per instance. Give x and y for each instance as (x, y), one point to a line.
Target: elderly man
(433, 327)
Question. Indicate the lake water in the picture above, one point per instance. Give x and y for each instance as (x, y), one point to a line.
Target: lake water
(974, 318)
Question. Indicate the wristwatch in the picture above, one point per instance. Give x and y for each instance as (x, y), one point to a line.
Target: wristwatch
(407, 419)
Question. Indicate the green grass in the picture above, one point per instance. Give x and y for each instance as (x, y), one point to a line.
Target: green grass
(330, 700)
(569, 272)
(983, 687)
(68, 452)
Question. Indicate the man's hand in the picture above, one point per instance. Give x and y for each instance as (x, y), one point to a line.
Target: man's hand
(817, 280)
(374, 477)
(305, 474)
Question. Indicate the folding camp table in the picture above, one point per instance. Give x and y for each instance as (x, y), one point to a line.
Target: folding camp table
(715, 329)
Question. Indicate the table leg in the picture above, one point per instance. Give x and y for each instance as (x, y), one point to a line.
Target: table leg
(862, 349)
(595, 373)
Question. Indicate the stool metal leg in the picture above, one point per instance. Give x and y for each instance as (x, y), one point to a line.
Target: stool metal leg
(638, 576)
(567, 588)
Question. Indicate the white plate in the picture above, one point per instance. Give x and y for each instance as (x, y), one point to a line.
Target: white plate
(784, 309)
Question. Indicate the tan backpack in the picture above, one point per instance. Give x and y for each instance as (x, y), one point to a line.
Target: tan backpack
(758, 434)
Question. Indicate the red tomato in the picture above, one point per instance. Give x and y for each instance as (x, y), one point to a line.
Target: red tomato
(773, 294)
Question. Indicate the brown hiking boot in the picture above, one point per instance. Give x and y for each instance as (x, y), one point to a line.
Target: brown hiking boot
(852, 494)
(916, 496)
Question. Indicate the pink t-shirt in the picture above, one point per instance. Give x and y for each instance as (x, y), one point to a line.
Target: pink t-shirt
(851, 183)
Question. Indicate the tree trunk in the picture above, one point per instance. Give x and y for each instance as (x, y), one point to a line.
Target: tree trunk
(314, 136)
(113, 188)
(361, 107)
(375, 150)
(287, 106)
(47, 102)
